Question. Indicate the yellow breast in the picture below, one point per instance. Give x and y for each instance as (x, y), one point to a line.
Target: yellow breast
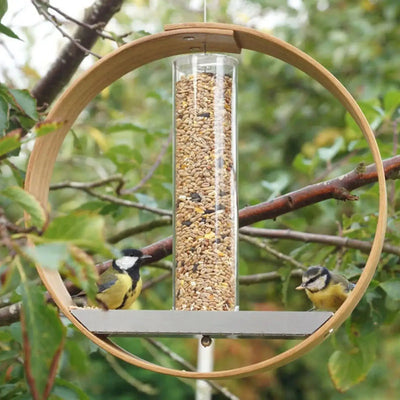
(132, 295)
(120, 295)
(329, 299)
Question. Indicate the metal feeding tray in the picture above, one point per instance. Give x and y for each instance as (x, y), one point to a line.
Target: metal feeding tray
(263, 324)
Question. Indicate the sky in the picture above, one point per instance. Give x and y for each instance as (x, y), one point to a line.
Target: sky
(41, 38)
(40, 41)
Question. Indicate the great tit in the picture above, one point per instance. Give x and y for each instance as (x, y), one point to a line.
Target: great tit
(120, 285)
(325, 289)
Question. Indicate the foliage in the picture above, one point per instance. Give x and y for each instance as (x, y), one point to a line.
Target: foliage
(292, 133)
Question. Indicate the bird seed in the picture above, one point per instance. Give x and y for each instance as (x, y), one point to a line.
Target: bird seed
(205, 194)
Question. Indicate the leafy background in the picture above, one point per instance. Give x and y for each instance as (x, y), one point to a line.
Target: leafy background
(292, 133)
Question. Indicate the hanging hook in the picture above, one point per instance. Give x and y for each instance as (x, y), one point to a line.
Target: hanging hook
(205, 20)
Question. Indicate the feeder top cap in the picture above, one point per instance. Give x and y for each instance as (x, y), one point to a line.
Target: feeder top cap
(206, 62)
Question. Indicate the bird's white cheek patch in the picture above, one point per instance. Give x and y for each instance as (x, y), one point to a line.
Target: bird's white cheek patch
(126, 262)
(320, 283)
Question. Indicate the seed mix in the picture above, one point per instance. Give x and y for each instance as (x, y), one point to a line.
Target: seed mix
(205, 194)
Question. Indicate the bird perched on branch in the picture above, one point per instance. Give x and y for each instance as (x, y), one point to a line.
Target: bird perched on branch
(120, 285)
(326, 290)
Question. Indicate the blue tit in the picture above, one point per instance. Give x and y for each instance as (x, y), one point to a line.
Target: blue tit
(325, 289)
(120, 285)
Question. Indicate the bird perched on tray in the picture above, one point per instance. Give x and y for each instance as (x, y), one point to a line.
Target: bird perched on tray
(120, 285)
(326, 290)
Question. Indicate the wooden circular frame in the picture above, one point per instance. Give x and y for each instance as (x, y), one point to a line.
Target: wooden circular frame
(175, 40)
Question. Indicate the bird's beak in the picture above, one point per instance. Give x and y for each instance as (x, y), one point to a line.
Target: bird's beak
(145, 256)
(301, 287)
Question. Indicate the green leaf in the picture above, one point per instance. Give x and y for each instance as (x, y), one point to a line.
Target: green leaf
(9, 355)
(3, 8)
(43, 339)
(304, 165)
(328, 153)
(277, 186)
(19, 174)
(9, 143)
(49, 255)
(391, 101)
(3, 115)
(347, 368)
(8, 32)
(25, 102)
(68, 391)
(124, 157)
(43, 128)
(392, 289)
(28, 203)
(13, 391)
(78, 358)
(9, 278)
(126, 126)
(82, 229)
(145, 199)
(82, 271)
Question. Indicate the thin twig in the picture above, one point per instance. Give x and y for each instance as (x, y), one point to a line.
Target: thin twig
(266, 277)
(163, 264)
(127, 203)
(331, 240)
(69, 58)
(272, 251)
(146, 227)
(190, 367)
(150, 173)
(53, 20)
(98, 28)
(127, 377)
(87, 185)
(151, 282)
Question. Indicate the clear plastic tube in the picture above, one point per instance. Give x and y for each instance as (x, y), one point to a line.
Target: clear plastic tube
(205, 154)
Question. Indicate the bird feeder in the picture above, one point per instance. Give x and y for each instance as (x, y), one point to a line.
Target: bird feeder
(205, 212)
(205, 96)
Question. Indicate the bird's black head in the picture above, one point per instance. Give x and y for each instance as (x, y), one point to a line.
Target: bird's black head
(131, 253)
(131, 260)
(315, 278)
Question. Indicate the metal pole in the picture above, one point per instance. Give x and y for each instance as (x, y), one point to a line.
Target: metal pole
(205, 363)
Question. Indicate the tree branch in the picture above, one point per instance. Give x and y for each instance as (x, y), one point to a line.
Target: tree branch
(68, 61)
(337, 188)
(331, 240)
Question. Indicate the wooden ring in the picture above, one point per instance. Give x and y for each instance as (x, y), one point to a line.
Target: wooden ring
(175, 40)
